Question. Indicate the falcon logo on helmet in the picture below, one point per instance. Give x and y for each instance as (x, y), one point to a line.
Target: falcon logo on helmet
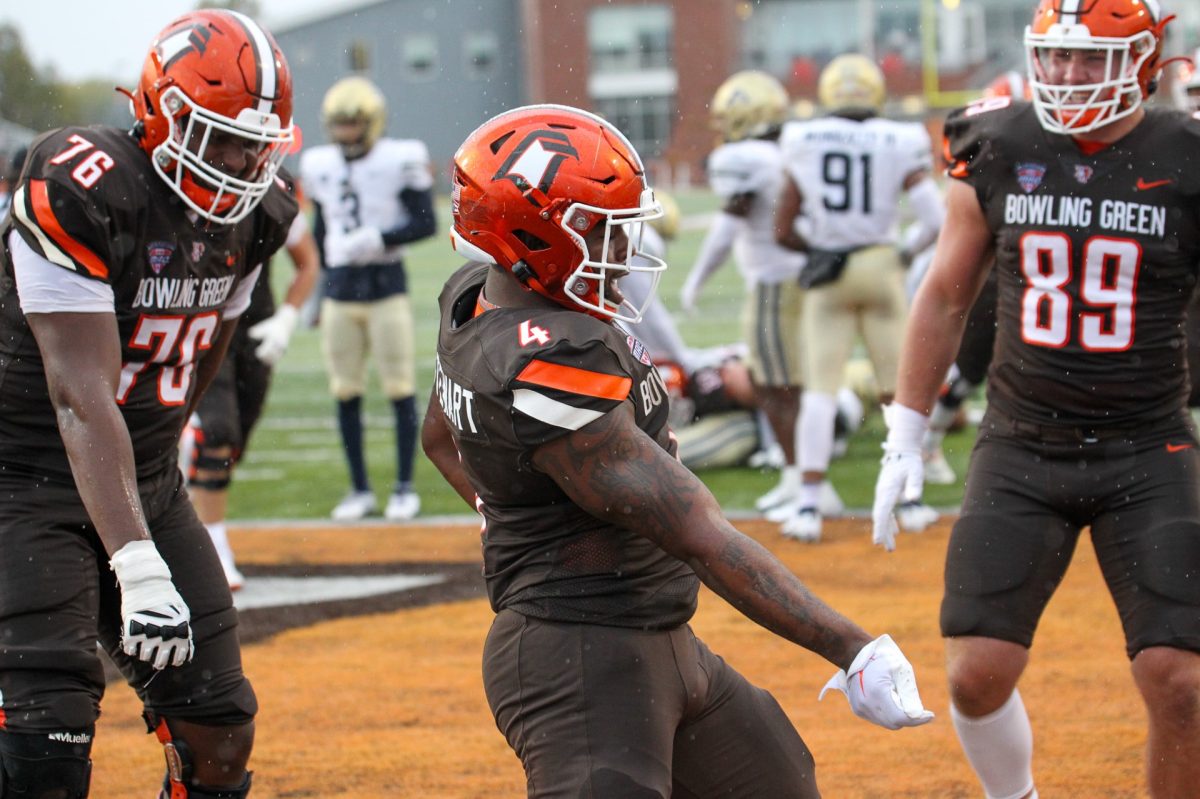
(558, 197)
(1126, 34)
(536, 160)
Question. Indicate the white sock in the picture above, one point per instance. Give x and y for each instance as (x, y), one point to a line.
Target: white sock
(999, 747)
(220, 539)
(810, 495)
(816, 431)
(789, 477)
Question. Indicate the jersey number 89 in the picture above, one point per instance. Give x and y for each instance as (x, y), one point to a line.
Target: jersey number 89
(1109, 282)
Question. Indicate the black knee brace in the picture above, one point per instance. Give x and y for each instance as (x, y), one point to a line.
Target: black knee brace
(178, 783)
(217, 466)
(46, 764)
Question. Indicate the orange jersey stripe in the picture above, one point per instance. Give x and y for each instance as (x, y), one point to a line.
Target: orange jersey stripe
(48, 222)
(577, 381)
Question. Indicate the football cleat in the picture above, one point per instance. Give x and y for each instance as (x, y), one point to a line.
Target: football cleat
(938, 470)
(784, 493)
(402, 506)
(805, 526)
(915, 516)
(769, 458)
(357, 505)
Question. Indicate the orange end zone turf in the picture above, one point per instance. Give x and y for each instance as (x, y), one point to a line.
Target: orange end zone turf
(391, 704)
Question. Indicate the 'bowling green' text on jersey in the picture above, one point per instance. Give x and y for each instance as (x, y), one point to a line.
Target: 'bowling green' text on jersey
(1096, 258)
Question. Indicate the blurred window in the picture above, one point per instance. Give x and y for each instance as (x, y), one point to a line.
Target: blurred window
(481, 50)
(419, 52)
(630, 38)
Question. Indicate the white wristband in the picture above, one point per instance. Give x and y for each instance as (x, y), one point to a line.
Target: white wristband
(142, 573)
(288, 314)
(906, 428)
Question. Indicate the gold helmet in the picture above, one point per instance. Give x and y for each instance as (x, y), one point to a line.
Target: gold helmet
(851, 82)
(354, 112)
(667, 225)
(747, 105)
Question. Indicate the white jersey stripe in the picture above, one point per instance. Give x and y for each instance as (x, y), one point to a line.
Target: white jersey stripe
(49, 248)
(551, 411)
(265, 60)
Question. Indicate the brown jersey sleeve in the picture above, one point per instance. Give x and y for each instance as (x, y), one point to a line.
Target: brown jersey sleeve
(63, 208)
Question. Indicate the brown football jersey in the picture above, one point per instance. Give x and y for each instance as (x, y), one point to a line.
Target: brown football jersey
(90, 201)
(512, 379)
(1096, 254)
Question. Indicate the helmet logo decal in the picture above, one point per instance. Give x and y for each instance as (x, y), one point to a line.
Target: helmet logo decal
(183, 41)
(536, 159)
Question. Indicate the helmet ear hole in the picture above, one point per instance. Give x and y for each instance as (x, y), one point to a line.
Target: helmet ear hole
(531, 242)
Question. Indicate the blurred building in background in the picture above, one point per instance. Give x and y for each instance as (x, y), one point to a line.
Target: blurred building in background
(649, 67)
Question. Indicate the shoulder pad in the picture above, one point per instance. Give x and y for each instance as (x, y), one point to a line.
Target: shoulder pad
(80, 184)
(735, 169)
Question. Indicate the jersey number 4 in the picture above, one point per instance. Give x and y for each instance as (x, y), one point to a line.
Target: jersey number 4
(169, 339)
(1109, 283)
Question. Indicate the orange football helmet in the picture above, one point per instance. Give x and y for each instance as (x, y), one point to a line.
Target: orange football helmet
(532, 183)
(1129, 34)
(215, 73)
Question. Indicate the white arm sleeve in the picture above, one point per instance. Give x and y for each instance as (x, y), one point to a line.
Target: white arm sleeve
(239, 301)
(45, 287)
(715, 249)
(927, 204)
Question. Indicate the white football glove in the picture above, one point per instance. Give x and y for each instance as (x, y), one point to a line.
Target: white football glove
(364, 245)
(155, 622)
(902, 472)
(337, 254)
(274, 333)
(881, 687)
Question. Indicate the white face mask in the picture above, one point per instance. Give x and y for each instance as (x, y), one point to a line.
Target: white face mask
(1110, 89)
(180, 160)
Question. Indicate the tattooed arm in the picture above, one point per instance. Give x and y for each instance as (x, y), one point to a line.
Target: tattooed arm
(439, 447)
(616, 472)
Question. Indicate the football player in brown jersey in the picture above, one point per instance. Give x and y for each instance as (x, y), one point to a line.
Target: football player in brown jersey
(127, 258)
(1096, 238)
(550, 419)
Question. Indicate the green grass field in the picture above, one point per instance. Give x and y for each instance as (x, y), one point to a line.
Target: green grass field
(294, 468)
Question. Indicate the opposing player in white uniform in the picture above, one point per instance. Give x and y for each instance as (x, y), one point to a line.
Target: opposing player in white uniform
(746, 172)
(845, 174)
(372, 196)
